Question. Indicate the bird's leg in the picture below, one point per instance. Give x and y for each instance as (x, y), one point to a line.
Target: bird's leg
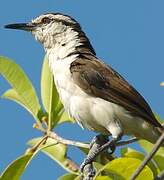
(97, 147)
(99, 140)
(87, 167)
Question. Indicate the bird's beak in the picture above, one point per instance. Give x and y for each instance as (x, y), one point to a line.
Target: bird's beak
(21, 26)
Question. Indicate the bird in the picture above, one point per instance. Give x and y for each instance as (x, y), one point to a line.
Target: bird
(92, 92)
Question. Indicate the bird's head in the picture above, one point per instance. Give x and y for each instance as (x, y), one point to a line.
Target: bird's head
(56, 30)
(47, 27)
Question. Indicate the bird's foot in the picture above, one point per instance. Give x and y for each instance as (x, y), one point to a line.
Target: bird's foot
(88, 171)
(87, 167)
(98, 145)
(99, 140)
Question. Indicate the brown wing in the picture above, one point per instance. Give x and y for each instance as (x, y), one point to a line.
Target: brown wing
(100, 80)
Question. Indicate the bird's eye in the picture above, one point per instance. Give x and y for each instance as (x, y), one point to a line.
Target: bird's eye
(46, 20)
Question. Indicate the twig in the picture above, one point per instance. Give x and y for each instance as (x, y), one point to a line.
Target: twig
(53, 135)
(148, 157)
(35, 147)
(122, 143)
(59, 139)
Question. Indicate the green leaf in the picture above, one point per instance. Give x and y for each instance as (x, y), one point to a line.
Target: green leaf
(158, 157)
(147, 146)
(123, 168)
(49, 93)
(103, 178)
(97, 166)
(50, 98)
(57, 152)
(16, 168)
(131, 153)
(159, 160)
(64, 117)
(23, 91)
(46, 82)
(13, 95)
(67, 177)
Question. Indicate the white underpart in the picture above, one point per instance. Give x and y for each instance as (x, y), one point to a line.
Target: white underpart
(90, 112)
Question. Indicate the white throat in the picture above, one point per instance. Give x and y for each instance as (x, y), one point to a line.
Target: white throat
(62, 45)
(60, 56)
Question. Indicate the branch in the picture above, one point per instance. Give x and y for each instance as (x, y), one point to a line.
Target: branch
(59, 139)
(148, 157)
(122, 143)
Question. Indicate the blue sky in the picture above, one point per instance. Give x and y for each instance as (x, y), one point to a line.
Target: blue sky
(129, 35)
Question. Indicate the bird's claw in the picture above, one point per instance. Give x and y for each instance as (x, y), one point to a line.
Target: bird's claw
(99, 139)
(112, 148)
(87, 170)
(83, 165)
(93, 141)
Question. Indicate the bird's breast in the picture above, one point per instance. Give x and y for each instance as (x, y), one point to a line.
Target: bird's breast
(76, 102)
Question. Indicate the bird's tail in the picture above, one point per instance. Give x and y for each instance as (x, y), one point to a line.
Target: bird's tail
(154, 134)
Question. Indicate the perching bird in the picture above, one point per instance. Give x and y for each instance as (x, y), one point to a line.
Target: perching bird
(93, 93)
